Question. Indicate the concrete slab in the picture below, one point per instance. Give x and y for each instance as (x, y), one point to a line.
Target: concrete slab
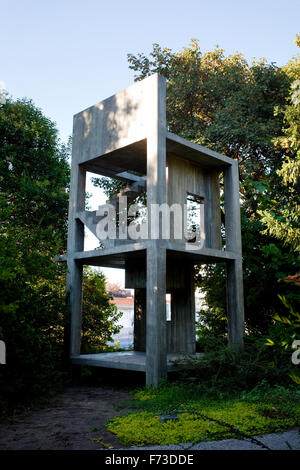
(288, 440)
(126, 360)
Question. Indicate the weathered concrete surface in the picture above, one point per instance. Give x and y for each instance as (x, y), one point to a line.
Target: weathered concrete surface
(288, 440)
(156, 337)
(234, 281)
(128, 132)
(126, 360)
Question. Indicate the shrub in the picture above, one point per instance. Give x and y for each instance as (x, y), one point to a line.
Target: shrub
(221, 369)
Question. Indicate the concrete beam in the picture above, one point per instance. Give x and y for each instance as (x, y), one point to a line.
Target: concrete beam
(156, 347)
(156, 350)
(75, 243)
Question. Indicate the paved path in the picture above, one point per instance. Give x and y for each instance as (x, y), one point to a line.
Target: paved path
(289, 440)
(76, 420)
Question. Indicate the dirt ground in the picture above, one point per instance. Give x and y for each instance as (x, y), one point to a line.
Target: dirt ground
(76, 419)
(72, 421)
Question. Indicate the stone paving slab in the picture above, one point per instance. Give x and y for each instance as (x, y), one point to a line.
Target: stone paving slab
(288, 440)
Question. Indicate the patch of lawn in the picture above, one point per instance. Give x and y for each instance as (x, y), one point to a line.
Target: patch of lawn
(198, 416)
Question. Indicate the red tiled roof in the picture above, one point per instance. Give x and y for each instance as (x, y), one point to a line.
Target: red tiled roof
(126, 301)
(123, 301)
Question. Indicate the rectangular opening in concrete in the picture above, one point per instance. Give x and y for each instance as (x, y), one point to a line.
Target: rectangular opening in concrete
(195, 216)
(168, 307)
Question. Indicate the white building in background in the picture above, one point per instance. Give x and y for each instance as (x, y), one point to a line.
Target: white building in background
(126, 306)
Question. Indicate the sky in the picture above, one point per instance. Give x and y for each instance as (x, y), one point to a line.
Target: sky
(68, 55)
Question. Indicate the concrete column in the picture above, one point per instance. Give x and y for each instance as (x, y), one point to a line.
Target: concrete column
(156, 348)
(75, 243)
(156, 353)
(235, 296)
(235, 303)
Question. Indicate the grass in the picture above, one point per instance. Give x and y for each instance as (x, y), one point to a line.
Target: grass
(200, 415)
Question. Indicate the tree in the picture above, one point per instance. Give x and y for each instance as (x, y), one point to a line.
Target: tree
(226, 104)
(221, 102)
(99, 316)
(282, 217)
(34, 180)
(34, 175)
(115, 290)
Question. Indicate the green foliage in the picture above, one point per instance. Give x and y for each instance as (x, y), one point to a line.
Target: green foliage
(221, 102)
(211, 329)
(223, 370)
(34, 175)
(281, 216)
(290, 320)
(227, 104)
(264, 264)
(34, 171)
(99, 316)
(276, 394)
(34, 179)
(200, 418)
(221, 395)
(110, 186)
(268, 263)
(146, 428)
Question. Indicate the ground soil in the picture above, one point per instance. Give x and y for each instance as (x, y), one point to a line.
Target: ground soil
(76, 420)
(72, 421)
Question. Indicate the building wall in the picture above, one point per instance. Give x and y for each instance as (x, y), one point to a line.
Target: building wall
(185, 177)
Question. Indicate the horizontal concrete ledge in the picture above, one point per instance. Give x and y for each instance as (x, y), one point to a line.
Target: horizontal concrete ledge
(128, 360)
(115, 256)
(114, 250)
(131, 360)
(112, 256)
(210, 254)
(195, 152)
(116, 160)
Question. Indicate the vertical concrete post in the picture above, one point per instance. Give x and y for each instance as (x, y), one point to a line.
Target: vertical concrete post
(235, 296)
(156, 351)
(75, 243)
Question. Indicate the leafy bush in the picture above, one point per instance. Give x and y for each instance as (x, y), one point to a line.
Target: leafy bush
(210, 97)
(290, 320)
(225, 370)
(34, 179)
(263, 391)
(34, 175)
(211, 329)
(99, 316)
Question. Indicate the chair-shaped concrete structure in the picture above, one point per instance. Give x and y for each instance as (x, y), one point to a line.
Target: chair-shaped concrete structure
(125, 137)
